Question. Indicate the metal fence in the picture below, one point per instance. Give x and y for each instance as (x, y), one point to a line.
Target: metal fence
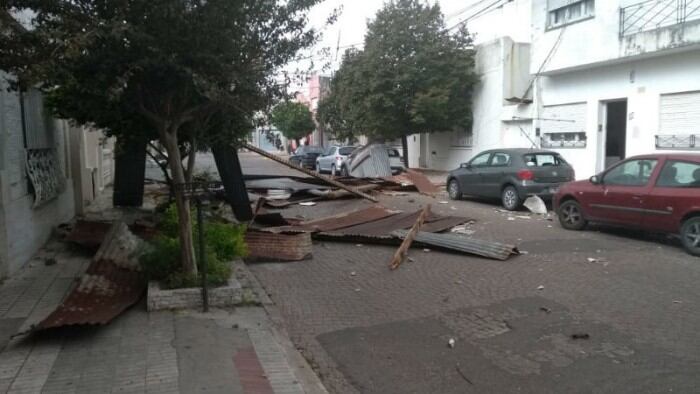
(678, 141)
(655, 14)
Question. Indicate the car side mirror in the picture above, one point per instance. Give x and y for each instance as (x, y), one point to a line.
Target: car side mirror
(595, 179)
(465, 165)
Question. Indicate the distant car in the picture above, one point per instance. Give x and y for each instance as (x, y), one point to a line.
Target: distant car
(333, 158)
(395, 161)
(658, 192)
(511, 175)
(305, 156)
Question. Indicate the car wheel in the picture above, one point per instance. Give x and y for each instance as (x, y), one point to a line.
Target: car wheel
(571, 216)
(344, 171)
(510, 199)
(690, 235)
(333, 170)
(453, 190)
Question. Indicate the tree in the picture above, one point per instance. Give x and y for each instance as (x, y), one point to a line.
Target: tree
(413, 76)
(187, 72)
(293, 119)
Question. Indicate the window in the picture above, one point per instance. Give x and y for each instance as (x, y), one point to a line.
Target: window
(500, 159)
(461, 138)
(630, 173)
(679, 174)
(347, 150)
(481, 160)
(561, 13)
(543, 160)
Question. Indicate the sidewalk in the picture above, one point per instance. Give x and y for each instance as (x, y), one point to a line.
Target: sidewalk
(224, 351)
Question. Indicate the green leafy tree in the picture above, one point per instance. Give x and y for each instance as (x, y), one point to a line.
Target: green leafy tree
(182, 71)
(293, 119)
(413, 76)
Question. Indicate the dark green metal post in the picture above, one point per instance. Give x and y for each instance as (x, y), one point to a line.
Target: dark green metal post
(202, 254)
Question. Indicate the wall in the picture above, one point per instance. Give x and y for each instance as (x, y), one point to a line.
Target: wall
(597, 40)
(24, 229)
(641, 82)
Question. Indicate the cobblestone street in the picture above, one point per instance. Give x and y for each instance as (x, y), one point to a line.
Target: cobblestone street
(367, 329)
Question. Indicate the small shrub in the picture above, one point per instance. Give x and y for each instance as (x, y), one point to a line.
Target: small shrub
(162, 258)
(226, 240)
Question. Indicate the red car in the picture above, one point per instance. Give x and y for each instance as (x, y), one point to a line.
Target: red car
(652, 192)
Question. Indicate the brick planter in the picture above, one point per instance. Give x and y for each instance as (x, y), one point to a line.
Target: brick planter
(191, 298)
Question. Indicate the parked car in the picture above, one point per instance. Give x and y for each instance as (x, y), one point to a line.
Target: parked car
(653, 192)
(395, 161)
(511, 175)
(305, 156)
(333, 158)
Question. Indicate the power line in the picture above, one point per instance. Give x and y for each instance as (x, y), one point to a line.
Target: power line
(478, 13)
(463, 10)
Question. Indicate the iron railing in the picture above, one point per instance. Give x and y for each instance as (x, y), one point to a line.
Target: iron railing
(655, 14)
(678, 141)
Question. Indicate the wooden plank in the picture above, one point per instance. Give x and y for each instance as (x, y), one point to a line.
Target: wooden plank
(309, 172)
(400, 254)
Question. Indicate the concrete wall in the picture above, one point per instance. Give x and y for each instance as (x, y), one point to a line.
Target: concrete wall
(24, 229)
(641, 82)
(597, 40)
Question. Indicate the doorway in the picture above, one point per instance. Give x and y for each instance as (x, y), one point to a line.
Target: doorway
(613, 142)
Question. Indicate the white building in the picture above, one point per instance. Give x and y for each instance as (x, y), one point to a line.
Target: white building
(616, 78)
(49, 171)
(502, 43)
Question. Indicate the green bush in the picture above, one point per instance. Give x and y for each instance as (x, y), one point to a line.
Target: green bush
(224, 242)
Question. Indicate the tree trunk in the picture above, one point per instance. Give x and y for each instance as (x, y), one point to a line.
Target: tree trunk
(181, 202)
(404, 146)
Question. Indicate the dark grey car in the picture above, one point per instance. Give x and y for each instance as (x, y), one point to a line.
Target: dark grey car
(305, 156)
(511, 175)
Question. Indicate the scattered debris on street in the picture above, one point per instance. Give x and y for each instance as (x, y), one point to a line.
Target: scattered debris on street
(580, 336)
(536, 205)
(400, 254)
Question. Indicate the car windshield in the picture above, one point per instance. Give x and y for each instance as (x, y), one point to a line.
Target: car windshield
(310, 149)
(543, 159)
(347, 150)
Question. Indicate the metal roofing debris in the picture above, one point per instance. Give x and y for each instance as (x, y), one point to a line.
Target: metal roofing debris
(422, 183)
(400, 254)
(434, 223)
(110, 285)
(265, 246)
(308, 172)
(370, 161)
(283, 183)
(450, 242)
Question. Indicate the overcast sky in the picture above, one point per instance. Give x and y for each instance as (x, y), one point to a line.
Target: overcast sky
(350, 27)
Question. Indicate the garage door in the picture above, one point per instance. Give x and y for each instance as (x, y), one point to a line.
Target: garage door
(680, 113)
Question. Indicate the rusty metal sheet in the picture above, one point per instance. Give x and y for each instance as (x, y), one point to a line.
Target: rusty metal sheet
(110, 285)
(265, 246)
(433, 224)
(343, 220)
(422, 183)
(89, 234)
(104, 292)
(456, 243)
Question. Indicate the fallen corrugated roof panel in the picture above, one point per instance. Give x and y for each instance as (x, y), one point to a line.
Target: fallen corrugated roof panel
(370, 161)
(422, 183)
(89, 234)
(433, 224)
(343, 220)
(111, 284)
(450, 242)
(265, 246)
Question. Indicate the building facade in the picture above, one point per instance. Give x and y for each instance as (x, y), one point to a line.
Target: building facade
(615, 78)
(49, 171)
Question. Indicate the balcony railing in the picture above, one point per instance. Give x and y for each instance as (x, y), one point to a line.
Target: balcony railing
(655, 14)
(678, 141)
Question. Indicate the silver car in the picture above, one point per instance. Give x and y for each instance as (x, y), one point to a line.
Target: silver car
(333, 158)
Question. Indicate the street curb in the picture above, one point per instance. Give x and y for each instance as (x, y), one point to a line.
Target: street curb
(309, 381)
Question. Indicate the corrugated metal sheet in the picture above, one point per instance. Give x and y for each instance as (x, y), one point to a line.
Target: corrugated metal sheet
(493, 250)
(370, 161)
(434, 224)
(111, 284)
(264, 246)
(422, 183)
(343, 220)
(104, 292)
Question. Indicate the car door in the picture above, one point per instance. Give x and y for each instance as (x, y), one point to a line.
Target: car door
(676, 192)
(470, 176)
(324, 160)
(619, 198)
(492, 175)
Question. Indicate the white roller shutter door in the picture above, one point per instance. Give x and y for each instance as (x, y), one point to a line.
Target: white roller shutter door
(680, 113)
(565, 118)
